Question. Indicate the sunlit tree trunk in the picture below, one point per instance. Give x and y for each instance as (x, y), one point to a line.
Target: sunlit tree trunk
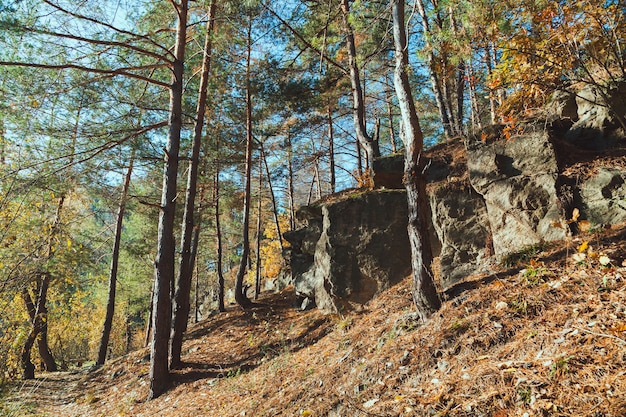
(273, 197)
(166, 247)
(435, 81)
(392, 131)
(331, 150)
(358, 98)
(425, 294)
(240, 290)
(181, 306)
(257, 280)
(218, 233)
(290, 188)
(110, 309)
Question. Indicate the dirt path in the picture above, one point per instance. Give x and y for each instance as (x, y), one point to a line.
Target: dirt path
(49, 393)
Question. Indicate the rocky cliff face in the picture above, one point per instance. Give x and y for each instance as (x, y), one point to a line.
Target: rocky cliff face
(490, 195)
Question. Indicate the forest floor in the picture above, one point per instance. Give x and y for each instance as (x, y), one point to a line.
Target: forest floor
(545, 337)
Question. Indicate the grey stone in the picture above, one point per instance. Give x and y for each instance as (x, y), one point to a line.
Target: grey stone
(604, 197)
(601, 116)
(362, 248)
(517, 179)
(461, 224)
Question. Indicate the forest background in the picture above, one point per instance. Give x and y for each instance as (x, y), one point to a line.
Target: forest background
(86, 114)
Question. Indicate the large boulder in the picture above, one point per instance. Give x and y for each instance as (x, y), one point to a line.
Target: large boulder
(517, 178)
(361, 249)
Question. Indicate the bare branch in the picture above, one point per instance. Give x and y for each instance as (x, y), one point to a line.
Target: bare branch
(97, 42)
(98, 22)
(119, 71)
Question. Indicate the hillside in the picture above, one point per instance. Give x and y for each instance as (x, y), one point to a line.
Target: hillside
(546, 336)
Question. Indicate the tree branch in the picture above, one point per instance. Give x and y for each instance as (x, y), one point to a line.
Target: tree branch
(119, 71)
(306, 43)
(98, 22)
(97, 42)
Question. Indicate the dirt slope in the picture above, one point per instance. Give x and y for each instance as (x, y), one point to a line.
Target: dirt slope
(547, 341)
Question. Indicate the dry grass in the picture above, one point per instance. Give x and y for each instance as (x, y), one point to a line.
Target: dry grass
(547, 341)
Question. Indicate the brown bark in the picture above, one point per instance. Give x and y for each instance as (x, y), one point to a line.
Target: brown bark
(110, 310)
(358, 98)
(273, 197)
(292, 206)
(181, 306)
(257, 280)
(425, 294)
(218, 233)
(240, 290)
(164, 265)
(435, 81)
(331, 151)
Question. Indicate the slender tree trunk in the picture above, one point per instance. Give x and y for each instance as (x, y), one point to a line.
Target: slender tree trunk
(218, 234)
(181, 306)
(292, 205)
(148, 331)
(424, 291)
(110, 312)
(316, 178)
(359, 159)
(475, 115)
(358, 98)
(195, 242)
(240, 290)
(392, 131)
(164, 265)
(331, 151)
(257, 280)
(492, 95)
(460, 96)
(435, 82)
(273, 196)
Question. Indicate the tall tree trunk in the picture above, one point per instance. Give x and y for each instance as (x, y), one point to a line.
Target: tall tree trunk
(424, 291)
(435, 81)
(195, 242)
(148, 330)
(290, 189)
(110, 312)
(218, 233)
(475, 114)
(331, 151)
(317, 178)
(273, 196)
(460, 96)
(164, 265)
(181, 305)
(257, 280)
(240, 290)
(492, 95)
(358, 98)
(392, 131)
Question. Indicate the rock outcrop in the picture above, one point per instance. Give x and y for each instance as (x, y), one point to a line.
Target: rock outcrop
(517, 179)
(351, 248)
(497, 193)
